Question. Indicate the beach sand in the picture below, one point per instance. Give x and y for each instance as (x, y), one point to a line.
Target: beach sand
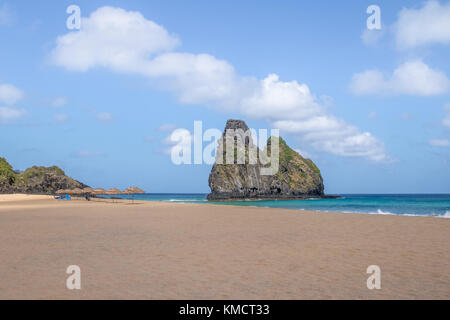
(22, 197)
(189, 251)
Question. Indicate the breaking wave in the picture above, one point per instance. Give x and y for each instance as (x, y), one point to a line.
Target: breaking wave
(446, 215)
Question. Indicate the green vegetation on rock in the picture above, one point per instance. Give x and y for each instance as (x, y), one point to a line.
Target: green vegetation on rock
(299, 173)
(37, 173)
(35, 180)
(7, 175)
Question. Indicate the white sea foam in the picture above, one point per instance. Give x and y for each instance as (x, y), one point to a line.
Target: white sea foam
(379, 211)
(387, 213)
(445, 215)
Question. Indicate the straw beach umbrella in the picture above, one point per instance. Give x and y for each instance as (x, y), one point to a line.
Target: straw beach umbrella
(129, 192)
(99, 191)
(132, 191)
(88, 190)
(75, 192)
(113, 191)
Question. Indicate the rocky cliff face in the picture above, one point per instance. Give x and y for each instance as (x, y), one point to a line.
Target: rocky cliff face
(45, 180)
(296, 177)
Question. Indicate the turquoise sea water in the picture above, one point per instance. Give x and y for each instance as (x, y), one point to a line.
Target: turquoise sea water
(402, 204)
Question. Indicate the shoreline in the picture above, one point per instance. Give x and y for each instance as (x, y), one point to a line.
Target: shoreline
(236, 204)
(4, 198)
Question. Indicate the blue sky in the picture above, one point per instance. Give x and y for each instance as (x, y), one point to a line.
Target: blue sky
(371, 108)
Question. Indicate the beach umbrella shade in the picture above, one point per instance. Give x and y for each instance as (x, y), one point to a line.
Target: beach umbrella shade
(61, 191)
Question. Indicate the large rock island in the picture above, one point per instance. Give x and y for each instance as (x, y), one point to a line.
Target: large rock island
(36, 180)
(296, 178)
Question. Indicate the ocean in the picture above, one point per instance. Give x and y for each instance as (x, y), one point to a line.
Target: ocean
(389, 204)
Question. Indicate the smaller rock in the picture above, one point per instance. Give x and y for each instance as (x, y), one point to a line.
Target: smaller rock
(36, 180)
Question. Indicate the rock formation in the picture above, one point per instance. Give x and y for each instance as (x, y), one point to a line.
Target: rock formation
(296, 177)
(42, 180)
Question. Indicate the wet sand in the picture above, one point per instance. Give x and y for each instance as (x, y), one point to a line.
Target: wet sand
(187, 251)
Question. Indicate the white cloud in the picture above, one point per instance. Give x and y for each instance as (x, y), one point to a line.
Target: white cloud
(104, 117)
(10, 114)
(198, 78)
(439, 143)
(292, 108)
(446, 120)
(5, 15)
(9, 94)
(113, 38)
(335, 136)
(275, 99)
(125, 41)
(411, 78)
(315, 124)
(428, 25)
(372, 37)
(60, 118)
(59, 102)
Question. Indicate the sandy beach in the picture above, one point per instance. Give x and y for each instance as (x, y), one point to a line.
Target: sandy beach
(157, 250)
